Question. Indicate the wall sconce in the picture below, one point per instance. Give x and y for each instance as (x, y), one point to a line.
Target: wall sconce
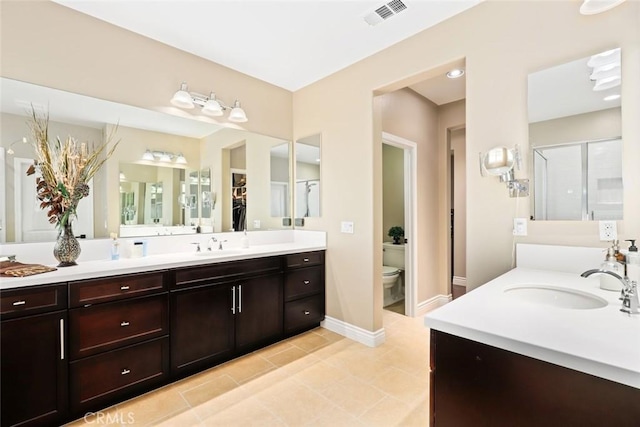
(164, 156)
(10, 150)
(501, 162)
(210, 105)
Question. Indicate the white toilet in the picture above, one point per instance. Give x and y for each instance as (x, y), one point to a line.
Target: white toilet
(393, 266)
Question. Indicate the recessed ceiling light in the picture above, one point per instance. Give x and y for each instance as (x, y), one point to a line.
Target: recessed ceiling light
(455, 73)
(611, 97)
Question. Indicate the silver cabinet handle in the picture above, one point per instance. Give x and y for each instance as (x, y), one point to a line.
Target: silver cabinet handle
(233, 302)
(125, 371)
(124, 323)
(124, 288)
(21, 302)
(240, 299)
(306, 282)
(307, 312)
(61, 339)
(305, 260)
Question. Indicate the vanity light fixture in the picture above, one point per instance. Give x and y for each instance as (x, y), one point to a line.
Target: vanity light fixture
(210, 105)
(592, 7)
(10, 150)
(163, 156)
(455, 73)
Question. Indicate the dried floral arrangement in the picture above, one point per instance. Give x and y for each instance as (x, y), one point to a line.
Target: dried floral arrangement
(66, 167)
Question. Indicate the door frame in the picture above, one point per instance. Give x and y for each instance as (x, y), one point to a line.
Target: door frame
(410, 149)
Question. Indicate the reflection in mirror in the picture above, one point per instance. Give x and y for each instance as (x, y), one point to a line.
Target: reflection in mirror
(575, 139)
(280, 203)
(183, 205)
(308, 176)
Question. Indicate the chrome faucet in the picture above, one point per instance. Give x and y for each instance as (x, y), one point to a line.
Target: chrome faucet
(212, 240)
(628, 294)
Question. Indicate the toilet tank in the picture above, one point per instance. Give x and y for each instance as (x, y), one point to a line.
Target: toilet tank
(393, 255)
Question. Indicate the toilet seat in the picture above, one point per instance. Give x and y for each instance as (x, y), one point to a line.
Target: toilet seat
(389, 271)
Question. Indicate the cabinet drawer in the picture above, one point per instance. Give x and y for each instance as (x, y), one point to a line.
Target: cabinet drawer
(303, 282)
(226, 270)
(114, 374)
(303, 313)
(304, 259)
(114, 288)
(32, 300)
(107, 326)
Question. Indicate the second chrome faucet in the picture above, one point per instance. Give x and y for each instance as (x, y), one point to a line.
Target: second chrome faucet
(628, 294)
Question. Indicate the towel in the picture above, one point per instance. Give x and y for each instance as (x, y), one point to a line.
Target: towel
(18, 269)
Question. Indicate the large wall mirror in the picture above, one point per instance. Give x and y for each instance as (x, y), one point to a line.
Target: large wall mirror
(575, 139)
(308, 179)
(168, 176)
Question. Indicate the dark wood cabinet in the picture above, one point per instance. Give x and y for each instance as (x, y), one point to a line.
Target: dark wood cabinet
(258, 311)
(480, 385)
(223, 310)
(77, 347)
(118, 334)
(33, 360)
(202, 326)
(304, 292)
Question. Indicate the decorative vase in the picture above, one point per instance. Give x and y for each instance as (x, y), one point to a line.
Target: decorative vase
(67, 247)
(396, 240)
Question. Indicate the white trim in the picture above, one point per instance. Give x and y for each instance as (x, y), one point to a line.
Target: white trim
(3, 209)
(410, 149)
(356, 333)
(460, 281)
(432, 303)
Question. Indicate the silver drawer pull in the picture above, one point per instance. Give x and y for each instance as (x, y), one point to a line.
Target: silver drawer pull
(306, 260)
(306, 282)
(124, 323)
(125, 371)
(21, 302)
(124, 288)
(306, 312)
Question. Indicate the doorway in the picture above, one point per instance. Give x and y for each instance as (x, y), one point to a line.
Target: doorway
(408, 285)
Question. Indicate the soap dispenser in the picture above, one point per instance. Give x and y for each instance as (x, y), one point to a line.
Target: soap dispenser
(608, 282)
(244, 240)
(633, 262)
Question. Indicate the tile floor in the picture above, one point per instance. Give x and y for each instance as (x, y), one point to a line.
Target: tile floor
(318, 378)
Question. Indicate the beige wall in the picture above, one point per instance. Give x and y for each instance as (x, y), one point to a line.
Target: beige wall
(506, 36)
(392, 189)
(581, 127)
(44, 43)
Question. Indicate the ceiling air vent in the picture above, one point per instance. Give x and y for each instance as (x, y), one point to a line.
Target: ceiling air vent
(384, 12)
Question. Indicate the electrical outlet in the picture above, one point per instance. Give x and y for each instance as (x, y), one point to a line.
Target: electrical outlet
(256, 224)
(608, 230)
(519, 226)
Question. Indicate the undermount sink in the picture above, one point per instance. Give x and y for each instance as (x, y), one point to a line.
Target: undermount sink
(218, 252)
(556, 297)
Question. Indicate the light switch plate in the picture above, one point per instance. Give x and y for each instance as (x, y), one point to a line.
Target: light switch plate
(346, 227)
(519, 226)
(256, 224)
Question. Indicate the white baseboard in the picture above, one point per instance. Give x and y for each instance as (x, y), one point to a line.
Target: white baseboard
(356, 333)
(432, 303)
(460, 281)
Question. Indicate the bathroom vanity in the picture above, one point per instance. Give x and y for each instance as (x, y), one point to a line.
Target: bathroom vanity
(79, 339)
(535, 347)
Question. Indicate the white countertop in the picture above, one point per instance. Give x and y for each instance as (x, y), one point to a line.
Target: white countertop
(103, 268)
(603, 342)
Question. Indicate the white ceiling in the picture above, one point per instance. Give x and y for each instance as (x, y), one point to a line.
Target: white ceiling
(288, 43)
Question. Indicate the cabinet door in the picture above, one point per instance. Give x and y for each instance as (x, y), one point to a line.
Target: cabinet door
(259, 310)
(34, 369)
(202, 326)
